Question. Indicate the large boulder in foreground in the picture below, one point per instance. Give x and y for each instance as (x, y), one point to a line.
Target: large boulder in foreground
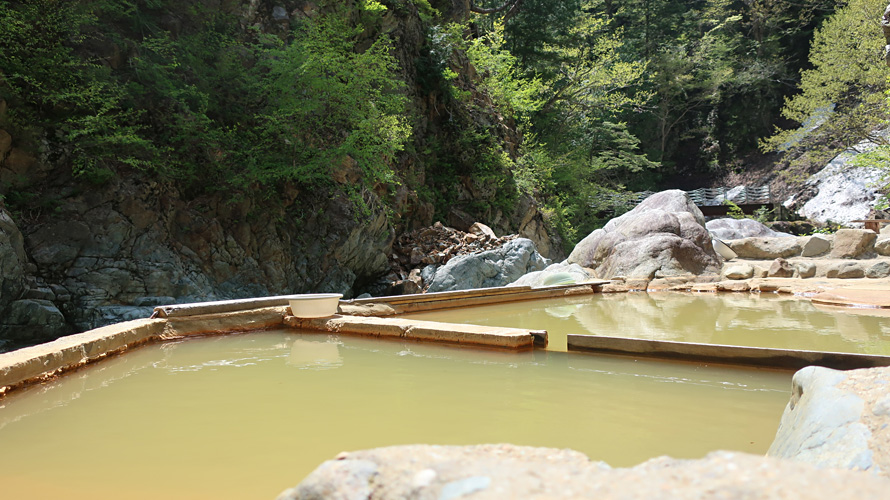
(506, 471)
(663, 236)
(490, 268)
(838, 419)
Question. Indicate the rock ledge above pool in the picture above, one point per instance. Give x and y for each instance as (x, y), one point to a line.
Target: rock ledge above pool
(508, 471)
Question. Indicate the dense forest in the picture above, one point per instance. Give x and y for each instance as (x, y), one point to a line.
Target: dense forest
(573, 102)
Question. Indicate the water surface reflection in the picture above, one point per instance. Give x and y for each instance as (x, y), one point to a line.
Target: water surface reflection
(766, 320)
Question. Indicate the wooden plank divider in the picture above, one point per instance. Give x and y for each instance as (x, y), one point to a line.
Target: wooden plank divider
(724, 354)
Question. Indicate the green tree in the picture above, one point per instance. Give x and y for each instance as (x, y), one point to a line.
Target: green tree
(55, 92)
(841, 100)
(329, 102)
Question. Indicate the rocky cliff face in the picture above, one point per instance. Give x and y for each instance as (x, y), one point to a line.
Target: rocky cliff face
(111, 253)
(78, 255)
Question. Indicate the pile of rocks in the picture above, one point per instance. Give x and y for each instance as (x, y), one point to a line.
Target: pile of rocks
(418, 253)
(850, 253)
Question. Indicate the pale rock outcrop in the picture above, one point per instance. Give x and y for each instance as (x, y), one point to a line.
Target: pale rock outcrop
(853, 243)
(837, 419)
(663, 236)
(845, 270)
(816, 244)
(491, 268)
(561, 272)
(843, 193)
(424, 472)
(739, 272)
(529, 223)
(734, 229)
(766, 248)
(878, 270)
(780, 268)
(805, 269)
(882, 246)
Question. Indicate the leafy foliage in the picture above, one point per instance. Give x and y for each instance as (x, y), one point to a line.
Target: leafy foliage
(72, 97)
(328, 102)
(842, 98)
(208, 105)
(574, 102)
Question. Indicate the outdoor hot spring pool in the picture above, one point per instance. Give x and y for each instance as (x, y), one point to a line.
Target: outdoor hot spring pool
(248, 415)
(744, 319)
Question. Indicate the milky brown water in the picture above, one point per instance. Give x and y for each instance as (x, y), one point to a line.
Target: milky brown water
(766, 320)
(246, 416)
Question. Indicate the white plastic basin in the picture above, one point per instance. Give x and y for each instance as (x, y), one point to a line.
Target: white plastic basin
(314, 305)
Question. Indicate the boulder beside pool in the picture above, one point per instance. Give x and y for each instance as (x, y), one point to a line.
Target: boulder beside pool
(490, 268)
(663, 236)
(837, 419)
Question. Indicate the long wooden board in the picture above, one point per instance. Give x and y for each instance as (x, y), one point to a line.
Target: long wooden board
(725, 354)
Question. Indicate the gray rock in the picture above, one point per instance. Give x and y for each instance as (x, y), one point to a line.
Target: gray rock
(766, 248)
(853, 243)
(846, 270)
(483, 472)
(463, 487)
(821, 423)
(878, 270)
(110, 250)
(428, 273)
(279, 13)
(816, 244)
(154, 301)
(882, 245)
(780, 268)
(573, 272)
(739, 272)
(805, 269)
(32, 321)
(491, 268)
(117, 314)
(12, 261)
(41, 293)
(529, 223)
(734, 229)
(336, 480)
(663, 236)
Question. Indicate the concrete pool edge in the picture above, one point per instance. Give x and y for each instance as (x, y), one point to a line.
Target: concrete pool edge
(419, 330)
(368, 317)
(42, 362)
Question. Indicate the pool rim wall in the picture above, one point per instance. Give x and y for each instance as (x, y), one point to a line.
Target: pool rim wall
(374, 318)
(43, 362)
